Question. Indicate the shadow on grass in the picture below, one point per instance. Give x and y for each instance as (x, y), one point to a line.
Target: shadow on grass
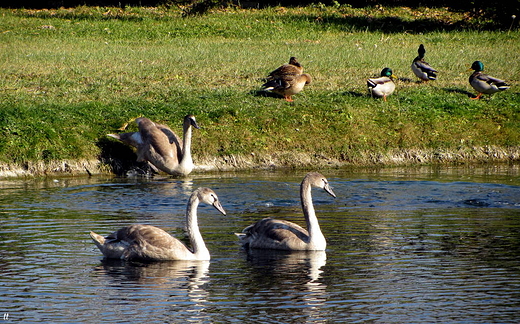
(354, 94)
(350, 22)
(393, 24)
(263, 93)
(408, 80)
(460, 91)
(121, 159)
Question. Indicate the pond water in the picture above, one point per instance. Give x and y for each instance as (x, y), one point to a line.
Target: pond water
(407, 245)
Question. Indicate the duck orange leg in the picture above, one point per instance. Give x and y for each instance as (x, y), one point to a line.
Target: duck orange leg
(477, 97)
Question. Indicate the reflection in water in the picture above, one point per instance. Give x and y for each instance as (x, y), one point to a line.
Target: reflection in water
(178, 286)
(273, 272)
(404, 246)
(288, 262)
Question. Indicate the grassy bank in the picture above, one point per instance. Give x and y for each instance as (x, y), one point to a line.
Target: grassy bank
(70, 76)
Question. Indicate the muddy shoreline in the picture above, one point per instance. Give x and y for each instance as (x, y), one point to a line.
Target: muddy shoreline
(279, 160)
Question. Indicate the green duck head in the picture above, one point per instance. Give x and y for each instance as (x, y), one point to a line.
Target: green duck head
(477, 66)
(387, 72)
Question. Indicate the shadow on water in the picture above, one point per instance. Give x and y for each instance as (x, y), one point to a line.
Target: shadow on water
(264, 282)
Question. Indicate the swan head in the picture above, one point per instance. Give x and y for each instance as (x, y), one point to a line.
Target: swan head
(190, 120)
(316, 179)
(327, 188)
(209, 197)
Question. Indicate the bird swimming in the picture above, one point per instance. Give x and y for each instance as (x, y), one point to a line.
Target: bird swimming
(150, 243)
(270, 233)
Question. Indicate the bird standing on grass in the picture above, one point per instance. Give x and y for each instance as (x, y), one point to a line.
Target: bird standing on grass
(287, 80)
(382, 86)
(483, 83)
(421, 68)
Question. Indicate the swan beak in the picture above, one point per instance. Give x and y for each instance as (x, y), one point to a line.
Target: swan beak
(193, 123)
(328, 189)
(219, 207)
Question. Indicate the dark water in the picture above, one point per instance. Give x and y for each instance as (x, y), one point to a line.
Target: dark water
(428, 245)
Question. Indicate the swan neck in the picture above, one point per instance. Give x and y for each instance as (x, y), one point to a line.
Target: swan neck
(313, 226)
(186, 162)
(186, 142)
(196, 240)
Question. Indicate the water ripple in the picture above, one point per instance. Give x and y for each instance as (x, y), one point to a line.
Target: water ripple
(399, 251)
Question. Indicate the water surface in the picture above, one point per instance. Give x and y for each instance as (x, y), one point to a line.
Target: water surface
(412, 245)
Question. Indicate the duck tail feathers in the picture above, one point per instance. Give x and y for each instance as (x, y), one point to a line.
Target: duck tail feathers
(273, 84)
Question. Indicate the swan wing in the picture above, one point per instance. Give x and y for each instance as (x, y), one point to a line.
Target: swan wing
(154, 137)
(146, 242)
(270, 233)
(134, 139)
(172, 137)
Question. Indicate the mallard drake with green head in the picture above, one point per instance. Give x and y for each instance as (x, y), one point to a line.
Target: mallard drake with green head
(421, 68)
(383, 86)
(483, 83)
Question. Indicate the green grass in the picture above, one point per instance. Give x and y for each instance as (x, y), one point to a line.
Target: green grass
(70, 76)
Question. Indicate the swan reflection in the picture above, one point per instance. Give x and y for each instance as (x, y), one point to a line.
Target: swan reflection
(293, 274)
(180, 286)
